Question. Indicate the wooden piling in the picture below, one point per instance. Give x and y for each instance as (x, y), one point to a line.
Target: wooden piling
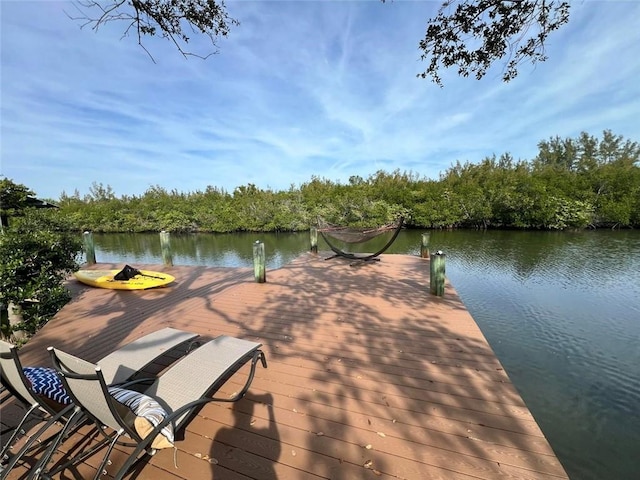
(437, 273)
(424, 246)
(259, 269)
(165, 244)
(14, 316)
(89, 248)
(313, 237)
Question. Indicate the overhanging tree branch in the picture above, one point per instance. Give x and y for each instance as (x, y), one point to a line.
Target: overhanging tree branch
(476, 33)
(471, 35)
(170, 19)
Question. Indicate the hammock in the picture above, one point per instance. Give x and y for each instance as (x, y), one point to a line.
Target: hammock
(355, 235)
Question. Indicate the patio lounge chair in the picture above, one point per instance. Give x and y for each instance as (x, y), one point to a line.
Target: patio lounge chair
(172, 398)
(37, 390)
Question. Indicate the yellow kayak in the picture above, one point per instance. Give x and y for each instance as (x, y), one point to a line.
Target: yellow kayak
(104, 279)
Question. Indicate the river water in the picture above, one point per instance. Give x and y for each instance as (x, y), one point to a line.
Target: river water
(561, 310)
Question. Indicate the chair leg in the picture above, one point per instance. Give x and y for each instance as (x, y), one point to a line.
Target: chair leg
(41, 464)
(14, 459)
(78, 458)
(16, 432)
(105, 460)
(135, 457)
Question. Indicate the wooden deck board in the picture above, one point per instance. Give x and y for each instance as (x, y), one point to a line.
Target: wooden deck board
(369, 375)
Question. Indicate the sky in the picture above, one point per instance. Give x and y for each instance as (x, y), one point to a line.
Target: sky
(299, 89)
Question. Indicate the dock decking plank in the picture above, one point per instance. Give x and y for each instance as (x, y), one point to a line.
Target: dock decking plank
(358, 357)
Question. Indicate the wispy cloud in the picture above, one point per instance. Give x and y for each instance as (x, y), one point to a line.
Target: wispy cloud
(298, 89)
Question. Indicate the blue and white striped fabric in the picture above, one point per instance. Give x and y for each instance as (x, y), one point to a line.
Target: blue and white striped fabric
(145, 407)
(45, 382)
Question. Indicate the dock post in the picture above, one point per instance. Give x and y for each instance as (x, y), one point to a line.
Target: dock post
(424, 246)
(313, 237)
(89, 248)
(165, 244)
(259, 269)
(437, 273)
(14, 314)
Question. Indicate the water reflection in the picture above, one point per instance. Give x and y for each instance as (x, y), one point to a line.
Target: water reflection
(220, 250)
(561, 310)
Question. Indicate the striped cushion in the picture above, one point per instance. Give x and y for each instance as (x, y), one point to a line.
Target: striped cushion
(45, 382)
(149, 414)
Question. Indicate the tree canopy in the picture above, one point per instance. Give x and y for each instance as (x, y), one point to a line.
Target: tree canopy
(174, 20)
(468, 34)
(474, 34)
(13, 198)
(584, 182)
(38, 250)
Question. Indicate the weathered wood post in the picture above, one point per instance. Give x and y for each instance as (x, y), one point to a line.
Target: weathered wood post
(89, 248)
(313, 237)
(437, 273)
(259, 269)
(165, 244)
(424, 246)
(15, 317)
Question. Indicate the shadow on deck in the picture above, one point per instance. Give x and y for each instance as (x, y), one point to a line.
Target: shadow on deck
(369, 375)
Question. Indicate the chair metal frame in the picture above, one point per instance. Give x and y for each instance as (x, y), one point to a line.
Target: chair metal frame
(120, 365)
(83, 380)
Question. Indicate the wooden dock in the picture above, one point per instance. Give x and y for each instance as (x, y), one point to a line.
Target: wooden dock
(369, 376)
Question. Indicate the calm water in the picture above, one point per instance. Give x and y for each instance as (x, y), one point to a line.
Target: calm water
(561, 311)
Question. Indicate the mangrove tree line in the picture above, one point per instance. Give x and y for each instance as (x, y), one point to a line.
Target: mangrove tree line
(572, 183)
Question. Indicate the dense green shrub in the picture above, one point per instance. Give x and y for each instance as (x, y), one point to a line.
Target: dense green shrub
(38, 253)
(572, 183)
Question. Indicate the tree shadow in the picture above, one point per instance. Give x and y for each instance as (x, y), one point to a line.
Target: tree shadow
(368, 373)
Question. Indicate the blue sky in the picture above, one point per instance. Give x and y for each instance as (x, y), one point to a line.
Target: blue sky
(300, 88)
